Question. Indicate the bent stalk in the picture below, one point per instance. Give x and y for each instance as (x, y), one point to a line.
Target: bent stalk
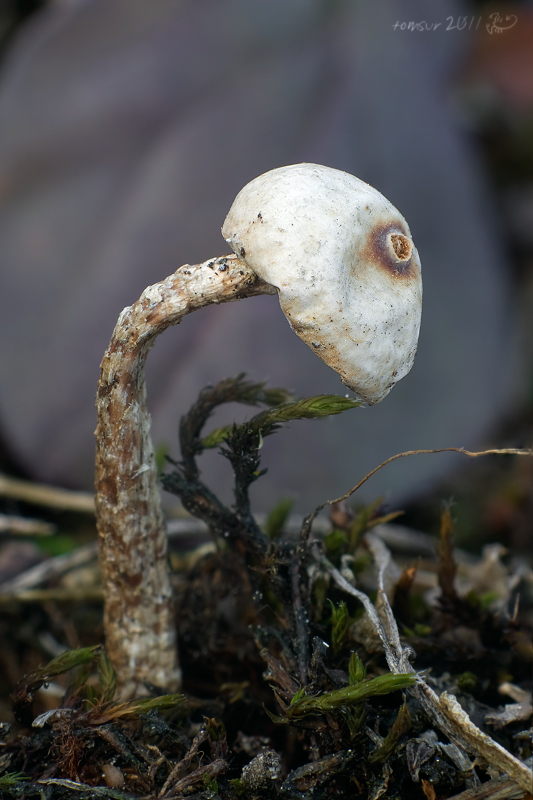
(138, 609)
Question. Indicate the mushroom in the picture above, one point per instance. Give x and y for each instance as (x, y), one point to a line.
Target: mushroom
(345, 267)
(347, 273)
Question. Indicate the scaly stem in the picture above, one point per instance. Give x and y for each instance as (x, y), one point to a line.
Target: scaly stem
(138, 609)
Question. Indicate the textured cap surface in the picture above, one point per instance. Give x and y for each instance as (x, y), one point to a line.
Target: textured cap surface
(345, 266)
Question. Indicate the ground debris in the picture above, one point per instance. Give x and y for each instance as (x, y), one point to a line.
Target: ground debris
(298, 651)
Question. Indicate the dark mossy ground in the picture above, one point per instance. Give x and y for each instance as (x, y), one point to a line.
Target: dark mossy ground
(287, 692)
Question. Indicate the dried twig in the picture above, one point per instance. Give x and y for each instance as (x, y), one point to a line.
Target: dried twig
(444, 711)
(22, 526)
(210, 771)
(84, 788)
(40, 494)
(497, 789)
(184, 763)
(51, 568)
(480, 744)
(90, 594)
(308, 522)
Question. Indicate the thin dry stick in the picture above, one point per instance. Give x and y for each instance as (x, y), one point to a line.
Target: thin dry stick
(51, 568)
(40, 494)
(444, 711)
(138, 614)
(469, 453)
(496, 789)
(306, 528)
(91, 594)
(22, 526)
(198, 740)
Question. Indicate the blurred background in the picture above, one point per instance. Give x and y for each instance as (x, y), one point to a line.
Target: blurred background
(127, 127)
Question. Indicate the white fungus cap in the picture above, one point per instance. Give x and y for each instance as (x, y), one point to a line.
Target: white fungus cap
(345, 266)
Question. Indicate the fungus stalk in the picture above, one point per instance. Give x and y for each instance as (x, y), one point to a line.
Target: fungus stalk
(347, 273)
(138, 615)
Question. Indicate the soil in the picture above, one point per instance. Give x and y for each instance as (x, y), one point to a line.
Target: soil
(287, 688)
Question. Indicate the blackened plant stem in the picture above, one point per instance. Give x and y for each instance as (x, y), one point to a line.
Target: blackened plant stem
(302, 632)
